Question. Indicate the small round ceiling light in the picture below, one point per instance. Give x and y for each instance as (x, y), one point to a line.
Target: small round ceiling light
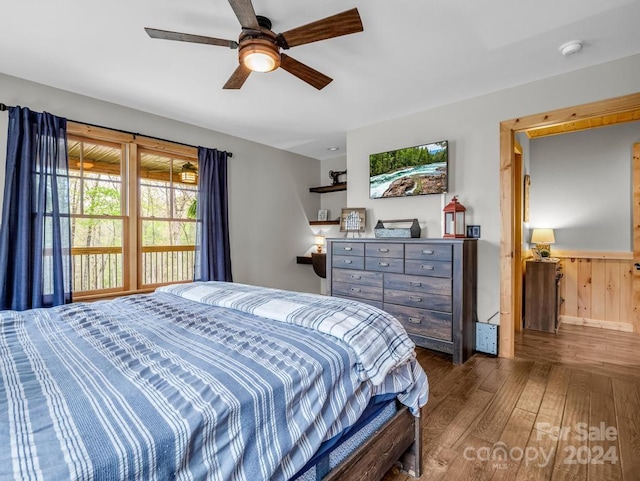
(333, 149)
(571, 47)
(84, 164)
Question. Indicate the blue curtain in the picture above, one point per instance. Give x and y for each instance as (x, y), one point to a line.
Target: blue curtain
(35, 261)
(213, 251)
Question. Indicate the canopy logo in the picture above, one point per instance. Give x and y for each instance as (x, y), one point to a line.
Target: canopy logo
(586, 449)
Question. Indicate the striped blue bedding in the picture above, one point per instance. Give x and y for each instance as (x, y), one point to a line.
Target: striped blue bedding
(210, 381)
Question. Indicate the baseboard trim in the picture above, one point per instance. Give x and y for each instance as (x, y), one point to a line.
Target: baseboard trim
(583, 321)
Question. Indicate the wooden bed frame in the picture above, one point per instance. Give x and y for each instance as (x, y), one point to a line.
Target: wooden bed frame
(397, 441)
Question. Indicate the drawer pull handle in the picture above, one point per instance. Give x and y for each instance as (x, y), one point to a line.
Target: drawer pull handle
(383, 250)
(356, 276)
(415, 298)
(355, 289)
(414, 320)
(348, 261)
(348, 248)
(427, 252)
(426, 267)
(383, 264)
(415, 284)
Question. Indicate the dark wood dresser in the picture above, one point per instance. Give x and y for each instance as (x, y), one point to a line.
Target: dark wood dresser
(429, 285)
(541, 299)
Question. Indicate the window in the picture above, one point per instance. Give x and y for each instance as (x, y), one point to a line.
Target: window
(167, 219)
(133, 202)
(97, 220)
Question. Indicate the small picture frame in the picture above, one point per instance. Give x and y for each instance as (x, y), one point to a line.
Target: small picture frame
(473, 231)
(323, 215)
(353, 219)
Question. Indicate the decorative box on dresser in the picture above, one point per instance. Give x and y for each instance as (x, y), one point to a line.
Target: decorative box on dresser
(429, 285)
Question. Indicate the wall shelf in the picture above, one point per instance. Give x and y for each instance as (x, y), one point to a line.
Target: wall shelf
(318, 261)
(324, 222)
(329, 188)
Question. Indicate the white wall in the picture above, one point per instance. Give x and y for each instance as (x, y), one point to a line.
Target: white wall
(581, 186)
(472, 129)
(269, 197)
(333, 201)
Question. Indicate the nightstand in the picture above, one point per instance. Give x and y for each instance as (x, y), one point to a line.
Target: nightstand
(541, 298)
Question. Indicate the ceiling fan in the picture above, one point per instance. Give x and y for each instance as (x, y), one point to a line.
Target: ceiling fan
(259, 47)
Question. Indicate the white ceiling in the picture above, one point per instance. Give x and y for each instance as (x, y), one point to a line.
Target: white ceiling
(412, 55)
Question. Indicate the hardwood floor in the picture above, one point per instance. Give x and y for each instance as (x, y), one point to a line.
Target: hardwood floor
(567, 409)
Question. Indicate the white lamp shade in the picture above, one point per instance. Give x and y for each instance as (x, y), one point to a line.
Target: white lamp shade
(319, 240)
(543, 236)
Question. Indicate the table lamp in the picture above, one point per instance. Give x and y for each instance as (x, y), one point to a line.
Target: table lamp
(543, 238)
(319, 242)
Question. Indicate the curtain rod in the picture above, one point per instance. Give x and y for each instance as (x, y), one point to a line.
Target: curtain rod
(4, 107)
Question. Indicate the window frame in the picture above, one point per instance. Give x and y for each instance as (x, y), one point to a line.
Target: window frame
(132, 144)
(141, 219)
(83, 215)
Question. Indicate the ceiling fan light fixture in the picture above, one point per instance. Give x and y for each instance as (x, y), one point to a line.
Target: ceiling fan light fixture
(259, 55)
(259, 46)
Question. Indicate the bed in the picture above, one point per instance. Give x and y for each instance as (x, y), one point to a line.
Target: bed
(218, 381)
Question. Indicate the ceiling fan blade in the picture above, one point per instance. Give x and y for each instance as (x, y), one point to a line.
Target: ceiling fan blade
(303, 72)
(335, 26)
(237, 78)
(245, 13)
(187, 37)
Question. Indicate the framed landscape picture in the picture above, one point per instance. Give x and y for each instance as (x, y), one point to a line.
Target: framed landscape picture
(418, 170)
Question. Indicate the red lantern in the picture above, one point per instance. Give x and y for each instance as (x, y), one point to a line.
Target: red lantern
(454, 219)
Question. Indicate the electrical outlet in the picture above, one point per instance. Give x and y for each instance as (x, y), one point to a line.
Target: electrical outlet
(487, 338)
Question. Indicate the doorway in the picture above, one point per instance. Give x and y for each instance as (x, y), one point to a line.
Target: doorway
(616, 110)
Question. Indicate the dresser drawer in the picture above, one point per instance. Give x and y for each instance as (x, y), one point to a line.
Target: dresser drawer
(427, 268)
(358, 291)
(425, 301)
(438, 252)
(384, 250)
(348, 248)
(377, 304)
(357, 277)
(419, 284)
(384, 264)
(348, 262)
(422, 321)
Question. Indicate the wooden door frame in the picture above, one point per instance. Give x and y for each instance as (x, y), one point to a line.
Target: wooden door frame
(635, 274)
(511, 203)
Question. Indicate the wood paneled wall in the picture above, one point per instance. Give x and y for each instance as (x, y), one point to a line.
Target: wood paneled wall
(597, 290)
